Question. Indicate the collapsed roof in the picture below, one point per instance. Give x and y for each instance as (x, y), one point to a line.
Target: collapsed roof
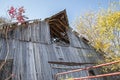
(59, 25)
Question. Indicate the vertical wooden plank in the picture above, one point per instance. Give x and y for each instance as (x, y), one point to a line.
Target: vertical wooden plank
(37, 61)
(2, 49)
(85, 54)
(51, 53)
(10, 49)
(24, 60)
(27, 32)
(66, 53)
(46, 71)
(22, 32)
(16, 62)
(31, 72)
(73, 39)
(37, 31)
(34, 31)
(73, 53)
(20, 60)
(17, 34)
(45, 32)
(83, 43)
(81, 56)
(33, 38)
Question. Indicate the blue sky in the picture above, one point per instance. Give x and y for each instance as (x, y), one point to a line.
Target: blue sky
(40, 9)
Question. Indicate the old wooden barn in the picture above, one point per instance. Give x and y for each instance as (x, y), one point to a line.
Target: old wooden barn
(38, 49)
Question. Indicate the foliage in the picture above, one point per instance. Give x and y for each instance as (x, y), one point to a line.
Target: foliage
(68, 79)
(17, 14)
(102, 29)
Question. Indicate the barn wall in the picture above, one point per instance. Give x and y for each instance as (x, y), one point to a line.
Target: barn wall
(35, 32)
(73, 39)
(31, 52)
(30, 60)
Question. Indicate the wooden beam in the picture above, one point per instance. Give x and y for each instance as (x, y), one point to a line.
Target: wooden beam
(65, 25)
(62, 31)
(68, 63)
(65, 68)
(58, 34)
(55, 24)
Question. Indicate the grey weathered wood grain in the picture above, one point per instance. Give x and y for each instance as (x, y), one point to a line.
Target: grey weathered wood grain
(31, 50)
(73, 39)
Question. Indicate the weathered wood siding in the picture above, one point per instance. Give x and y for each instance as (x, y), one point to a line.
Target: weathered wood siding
(73, 39)
(35, 32)
(30, 49)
